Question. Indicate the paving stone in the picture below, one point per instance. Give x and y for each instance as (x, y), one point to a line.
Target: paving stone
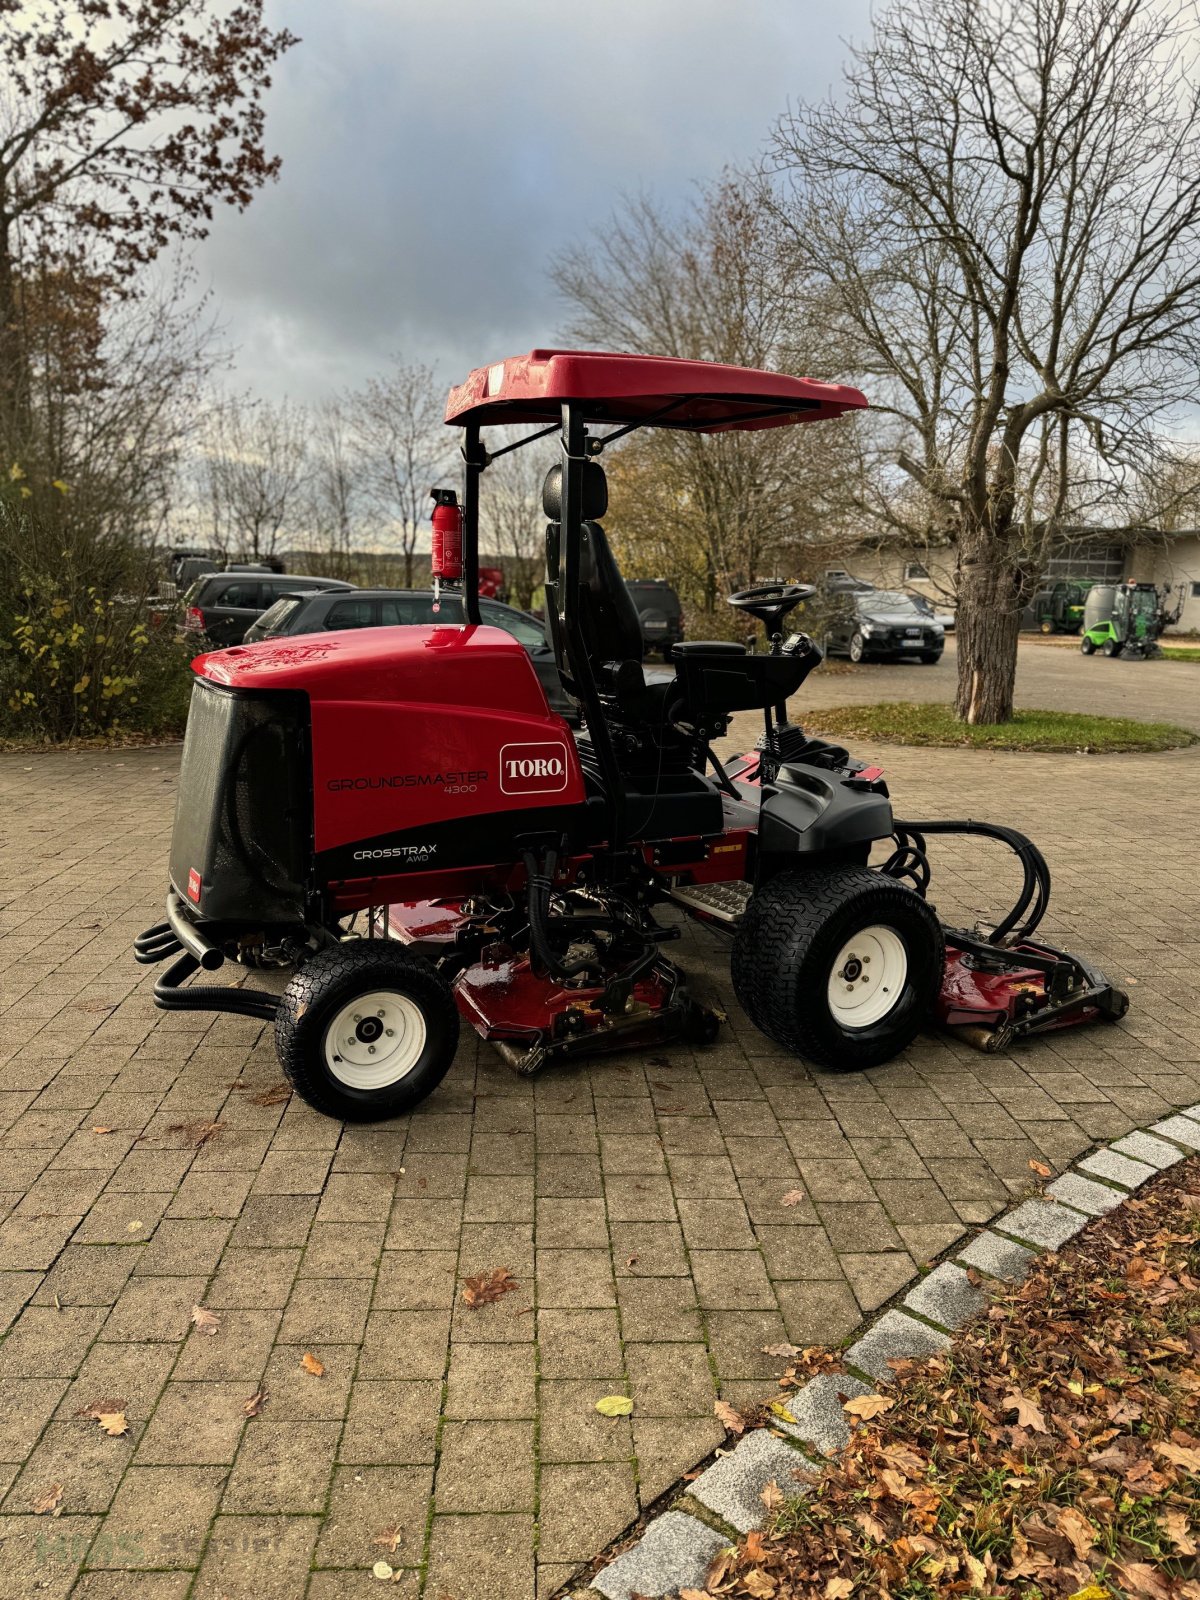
(1183, 1130)
(820, 1420)
(999, 1258)
(894, 1337)
(1041, 1223)
(1084, 1195)
(1117, 1168)
(733, 1485)
(1144, 1147)
(672, 1554)
(946, 1296)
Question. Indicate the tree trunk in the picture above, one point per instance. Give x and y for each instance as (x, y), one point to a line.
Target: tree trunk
(988, 624)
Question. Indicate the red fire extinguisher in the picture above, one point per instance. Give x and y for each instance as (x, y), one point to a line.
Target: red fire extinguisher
(446, 544)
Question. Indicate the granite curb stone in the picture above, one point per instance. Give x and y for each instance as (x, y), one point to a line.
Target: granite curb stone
(946, 1296)
(1143, 1147)
(673, 1553)
(1183, 1130)
(819, 1419)
(997, 1257)
(1117, 1169)
(895, 1337)
(1042, 1223)
(1084, 1195)
(733, 1485)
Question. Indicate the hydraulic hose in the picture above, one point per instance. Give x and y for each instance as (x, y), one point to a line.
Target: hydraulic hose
(540, 882)
(1034, 898)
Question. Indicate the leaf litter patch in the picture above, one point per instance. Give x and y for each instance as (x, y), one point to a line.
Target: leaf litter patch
(1052, 1452)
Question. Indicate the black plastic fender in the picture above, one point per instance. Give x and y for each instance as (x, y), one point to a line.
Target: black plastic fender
(815, 812)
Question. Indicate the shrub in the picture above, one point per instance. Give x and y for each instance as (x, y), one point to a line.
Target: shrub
(82, 658)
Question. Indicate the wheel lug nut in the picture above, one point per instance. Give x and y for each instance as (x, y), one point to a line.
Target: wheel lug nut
(371, 1049)
(382, 1013)
(391, 1033)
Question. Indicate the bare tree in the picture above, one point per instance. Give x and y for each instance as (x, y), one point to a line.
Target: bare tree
(1003, 213)
(256, 472)
(404, 446)
(334, 487)
(718, 513)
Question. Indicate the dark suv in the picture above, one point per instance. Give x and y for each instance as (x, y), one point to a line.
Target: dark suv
(659, 613)
(222, 605)
(389, 608)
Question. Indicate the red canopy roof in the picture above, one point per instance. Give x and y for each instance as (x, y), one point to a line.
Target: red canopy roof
(658, 390)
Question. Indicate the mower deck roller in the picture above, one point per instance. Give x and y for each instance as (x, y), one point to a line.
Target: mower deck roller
(394, 830)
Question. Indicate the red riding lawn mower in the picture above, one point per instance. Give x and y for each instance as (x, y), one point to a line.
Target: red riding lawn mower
(509, 868)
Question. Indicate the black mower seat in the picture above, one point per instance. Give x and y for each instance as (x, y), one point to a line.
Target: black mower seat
(719, 678)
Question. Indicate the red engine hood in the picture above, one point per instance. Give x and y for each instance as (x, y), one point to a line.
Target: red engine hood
(452, 665)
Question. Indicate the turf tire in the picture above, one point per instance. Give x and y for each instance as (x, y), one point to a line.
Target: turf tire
(1111, 647)
(327, 982)
(784, 950)
(1087, 646)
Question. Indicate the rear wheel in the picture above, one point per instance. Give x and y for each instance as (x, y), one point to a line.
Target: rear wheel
(1087, 646)
(839, 965)
(1111, 647)
(1047, 625)
(365, 1032)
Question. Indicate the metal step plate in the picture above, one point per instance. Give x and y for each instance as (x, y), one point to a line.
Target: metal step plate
(713, 902)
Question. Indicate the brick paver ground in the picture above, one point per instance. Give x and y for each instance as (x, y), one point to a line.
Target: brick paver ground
(638, 1202)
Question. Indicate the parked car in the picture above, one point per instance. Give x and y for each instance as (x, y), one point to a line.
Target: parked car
(385, 608)
(930, 609)
(836, 580)
(659, 613)
(884, 625)
(222, 605)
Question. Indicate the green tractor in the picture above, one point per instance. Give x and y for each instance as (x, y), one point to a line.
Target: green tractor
(1059, 609)
(1127, 618)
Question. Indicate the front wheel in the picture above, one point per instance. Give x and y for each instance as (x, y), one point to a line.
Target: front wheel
(1111, 647)
(857, 647)
(930, 658)
(365, 1032)
(840, 965)
(1087, 646)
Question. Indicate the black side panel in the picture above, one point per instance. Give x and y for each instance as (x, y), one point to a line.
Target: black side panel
(813, 811)
(244, 815)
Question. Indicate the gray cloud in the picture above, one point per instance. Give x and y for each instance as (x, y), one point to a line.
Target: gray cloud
(437, 152)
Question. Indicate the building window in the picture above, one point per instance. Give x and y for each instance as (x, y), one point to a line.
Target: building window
(914, 570)
(1196, 591)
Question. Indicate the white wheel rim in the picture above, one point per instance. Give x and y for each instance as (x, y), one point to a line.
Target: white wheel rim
(375, 1040)
(868, 976)
(856, 648)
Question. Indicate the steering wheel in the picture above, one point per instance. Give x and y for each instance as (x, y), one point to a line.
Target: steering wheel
(771, 602)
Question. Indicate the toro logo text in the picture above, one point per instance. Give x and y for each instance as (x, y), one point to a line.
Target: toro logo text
(533, 768)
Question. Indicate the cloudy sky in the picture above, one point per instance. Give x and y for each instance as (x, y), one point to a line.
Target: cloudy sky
(437, 152)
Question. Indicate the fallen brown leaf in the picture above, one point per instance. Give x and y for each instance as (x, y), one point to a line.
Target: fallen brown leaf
(729, 1415)
(1179, 1455)
(786, 1351)
(311, 1365)
(389, 1539)
(487, 1287)
(1175, 1525)
(867, 1406)
(113, 1423)
(253, 1406)
(1029, 1413)
(50, 1502)
(793, 1197)
(1040, 1167)
(197, 1133)
(103, 1130)
(207, 1321)
(771, 1496)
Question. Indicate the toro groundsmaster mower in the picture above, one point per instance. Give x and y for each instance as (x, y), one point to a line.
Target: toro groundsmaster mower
(396, 820)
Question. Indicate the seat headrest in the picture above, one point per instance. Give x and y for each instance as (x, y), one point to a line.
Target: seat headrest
(595, 492)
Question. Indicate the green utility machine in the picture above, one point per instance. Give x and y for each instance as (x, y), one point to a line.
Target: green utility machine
(1059, 609)
(1128, 618)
